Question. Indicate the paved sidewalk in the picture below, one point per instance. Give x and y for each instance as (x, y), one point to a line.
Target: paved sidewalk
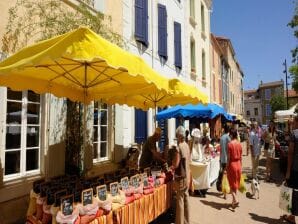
(215, 210)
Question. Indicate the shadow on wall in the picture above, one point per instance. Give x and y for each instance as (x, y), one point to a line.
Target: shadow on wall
(55, 160)
(119, 153)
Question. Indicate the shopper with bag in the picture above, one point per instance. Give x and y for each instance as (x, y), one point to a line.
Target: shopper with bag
(234, 165)
(224, 140)
(292, 172)
(180, 166)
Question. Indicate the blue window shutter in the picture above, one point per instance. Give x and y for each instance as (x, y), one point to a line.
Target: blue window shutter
(162, 31)
(141, 21)
(145, 22)
(140, 126)
(177, 45)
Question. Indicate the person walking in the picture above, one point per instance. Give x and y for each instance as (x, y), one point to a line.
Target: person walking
(246, 140)
(292, 172)
(269, 137)
(180, 167)
(224, 140)
(234, 166)
(255, 149)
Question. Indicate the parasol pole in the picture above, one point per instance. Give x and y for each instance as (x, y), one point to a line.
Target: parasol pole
(155, 112)
(84, 119)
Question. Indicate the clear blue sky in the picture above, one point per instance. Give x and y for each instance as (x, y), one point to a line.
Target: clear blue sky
(259, 34)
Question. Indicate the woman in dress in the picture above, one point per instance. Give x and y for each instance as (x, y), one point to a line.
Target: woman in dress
(269, 148)
(234, 165)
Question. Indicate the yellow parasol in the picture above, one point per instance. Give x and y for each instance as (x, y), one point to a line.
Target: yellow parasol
(81, 66)
(178, 93)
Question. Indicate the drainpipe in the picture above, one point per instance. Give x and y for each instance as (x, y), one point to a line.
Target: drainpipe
(150, 126)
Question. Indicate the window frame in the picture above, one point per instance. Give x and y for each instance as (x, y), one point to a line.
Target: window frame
(107, 110)
(256, 111)
(267, 93)
(203, 65)
(203, 18)
(23, 136)
(192, 55)
(268, 110)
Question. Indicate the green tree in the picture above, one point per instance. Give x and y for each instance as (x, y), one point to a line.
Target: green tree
(34, 20)
(294, 68)
(277, 102)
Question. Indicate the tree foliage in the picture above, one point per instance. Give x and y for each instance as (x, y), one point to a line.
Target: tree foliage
(277, 102)
(42, 19)
(34, 20)
(294, 68)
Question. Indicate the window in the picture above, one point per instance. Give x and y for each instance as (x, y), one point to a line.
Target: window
(192, 8)
(248, 113)
(22, 136)
(267, 94)
(177, 45)
(141, 21)
(256, 111)
(193, 55)
(203, 18)
(268, 110)
(162, 31)
(100, 132)
(141, 126)
(203, 65)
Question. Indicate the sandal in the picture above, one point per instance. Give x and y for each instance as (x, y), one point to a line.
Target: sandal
(235, 204)
(288, 219)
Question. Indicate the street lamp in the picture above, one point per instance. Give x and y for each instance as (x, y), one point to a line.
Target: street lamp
(286, 73)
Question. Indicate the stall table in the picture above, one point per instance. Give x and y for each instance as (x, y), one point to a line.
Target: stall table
(141, 211)
(204, 173)
(145, 209)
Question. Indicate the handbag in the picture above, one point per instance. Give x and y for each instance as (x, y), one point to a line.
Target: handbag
(225, 187)
(242, 186)
(285, 198)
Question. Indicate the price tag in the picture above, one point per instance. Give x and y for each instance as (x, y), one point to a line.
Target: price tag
(114, 189)
(102, 192)
(67, 205)
(146, 182)
(135, 181)
(124, 183)
(87, 196)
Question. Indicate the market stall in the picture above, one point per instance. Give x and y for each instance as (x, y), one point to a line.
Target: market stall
(205, 172)
(67, 199)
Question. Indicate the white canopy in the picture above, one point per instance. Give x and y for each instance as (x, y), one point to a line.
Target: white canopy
(285, 115)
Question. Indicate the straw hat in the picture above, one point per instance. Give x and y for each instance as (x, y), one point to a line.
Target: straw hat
(157, 131)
